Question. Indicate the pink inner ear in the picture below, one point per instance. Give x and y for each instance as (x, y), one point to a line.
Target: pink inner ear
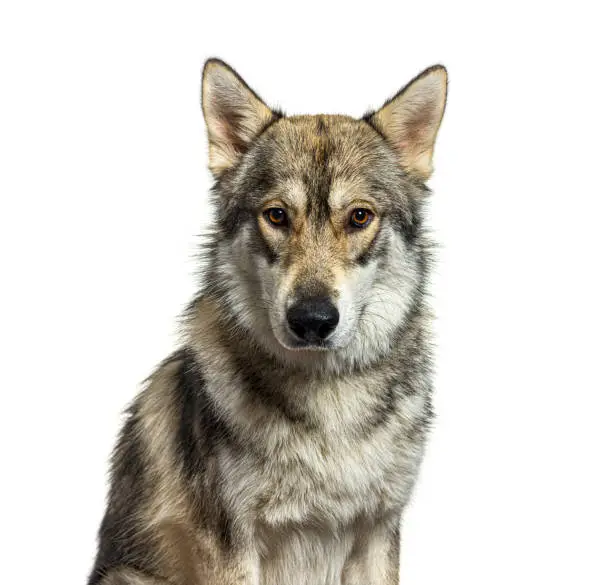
(221, 132)
(217, 127)
(416, 136)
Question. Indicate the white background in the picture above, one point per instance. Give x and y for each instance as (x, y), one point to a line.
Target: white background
(103, 185)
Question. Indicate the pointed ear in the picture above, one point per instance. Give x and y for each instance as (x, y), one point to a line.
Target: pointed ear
(234, 115)
(410, 120)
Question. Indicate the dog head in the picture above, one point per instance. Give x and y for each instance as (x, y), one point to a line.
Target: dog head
(318, 241)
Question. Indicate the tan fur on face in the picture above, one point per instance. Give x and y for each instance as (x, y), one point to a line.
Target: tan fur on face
(306, 247)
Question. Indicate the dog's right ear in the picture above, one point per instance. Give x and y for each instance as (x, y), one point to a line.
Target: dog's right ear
(234, 115)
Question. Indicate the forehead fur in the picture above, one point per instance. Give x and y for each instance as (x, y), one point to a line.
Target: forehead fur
(340, 144)
(322, 151)
(316, 154)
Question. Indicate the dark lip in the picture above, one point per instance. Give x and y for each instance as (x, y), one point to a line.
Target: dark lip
(304, 345)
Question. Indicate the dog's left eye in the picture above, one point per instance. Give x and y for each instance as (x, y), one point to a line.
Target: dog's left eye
(360, 218)
(277, 216)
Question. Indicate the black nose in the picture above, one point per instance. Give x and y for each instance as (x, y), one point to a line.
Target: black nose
(313, 319)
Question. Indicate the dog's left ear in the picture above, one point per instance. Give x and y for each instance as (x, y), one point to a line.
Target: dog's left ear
(410, 120)
(234, 115)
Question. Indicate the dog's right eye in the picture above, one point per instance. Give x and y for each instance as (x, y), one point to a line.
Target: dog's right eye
(361, 218)
(277, 216)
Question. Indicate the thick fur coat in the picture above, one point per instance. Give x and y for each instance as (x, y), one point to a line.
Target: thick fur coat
(281, 443)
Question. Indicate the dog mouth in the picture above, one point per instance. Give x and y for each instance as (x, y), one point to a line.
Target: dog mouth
(303, 345)
(294, 343)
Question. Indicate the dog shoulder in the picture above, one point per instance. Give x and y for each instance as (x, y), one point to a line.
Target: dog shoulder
(150, 496)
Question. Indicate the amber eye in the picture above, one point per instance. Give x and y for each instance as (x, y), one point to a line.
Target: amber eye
(277, 216)
(360, 218)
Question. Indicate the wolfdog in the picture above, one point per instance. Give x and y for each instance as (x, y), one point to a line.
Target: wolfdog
(280, 444)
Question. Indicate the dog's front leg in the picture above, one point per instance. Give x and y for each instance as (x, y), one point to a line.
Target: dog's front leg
(374, 559)
(243, 574)
(181, 560)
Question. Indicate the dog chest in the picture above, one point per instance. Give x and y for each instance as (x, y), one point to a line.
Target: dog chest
(327, 477)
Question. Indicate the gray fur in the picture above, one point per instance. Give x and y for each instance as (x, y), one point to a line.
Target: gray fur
(247, 459)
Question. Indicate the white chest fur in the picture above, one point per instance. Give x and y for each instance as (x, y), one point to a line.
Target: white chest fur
(304, 556)
(301, 487)
(305, 488)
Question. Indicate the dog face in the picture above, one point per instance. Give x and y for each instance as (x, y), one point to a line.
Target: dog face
(318, 243)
